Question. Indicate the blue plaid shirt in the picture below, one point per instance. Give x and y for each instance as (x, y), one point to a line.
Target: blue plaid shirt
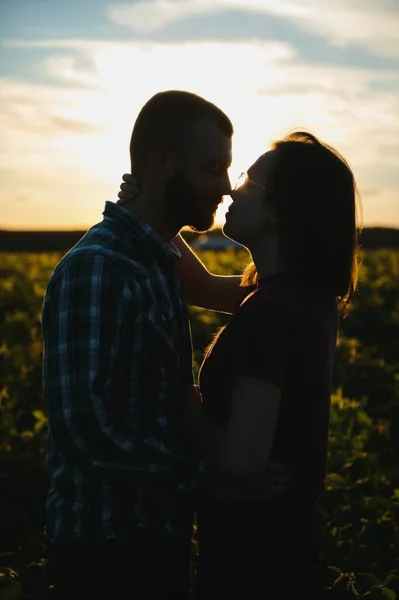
(117, 353)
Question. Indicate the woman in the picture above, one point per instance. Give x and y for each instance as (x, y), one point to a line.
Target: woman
(265, 383)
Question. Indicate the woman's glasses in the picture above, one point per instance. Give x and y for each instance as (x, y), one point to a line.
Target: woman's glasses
(244, 179)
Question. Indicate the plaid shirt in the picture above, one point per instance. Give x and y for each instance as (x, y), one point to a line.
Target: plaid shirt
(117, 352)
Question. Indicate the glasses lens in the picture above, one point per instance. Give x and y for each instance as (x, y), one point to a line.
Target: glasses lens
(242, 180)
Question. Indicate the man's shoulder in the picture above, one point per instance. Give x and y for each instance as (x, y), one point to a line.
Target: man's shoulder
(93, 254)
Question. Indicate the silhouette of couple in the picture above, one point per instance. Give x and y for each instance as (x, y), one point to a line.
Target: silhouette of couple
(137, 449)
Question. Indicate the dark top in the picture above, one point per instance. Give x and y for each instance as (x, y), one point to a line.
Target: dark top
(284, 333)
(117, 352)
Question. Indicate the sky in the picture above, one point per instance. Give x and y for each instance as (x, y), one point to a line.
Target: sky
(74, 75)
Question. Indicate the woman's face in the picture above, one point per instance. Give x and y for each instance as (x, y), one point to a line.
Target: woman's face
(251, 214)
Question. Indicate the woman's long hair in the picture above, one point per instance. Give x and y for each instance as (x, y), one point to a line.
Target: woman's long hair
(314, 192)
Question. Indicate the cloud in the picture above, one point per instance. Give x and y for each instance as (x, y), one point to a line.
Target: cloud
(367, 24)
(74, 126)
(61, 198)
(68, 68)
(39, 122)
(149, 17)
(346, 106)
(74, 133)
(27, 117)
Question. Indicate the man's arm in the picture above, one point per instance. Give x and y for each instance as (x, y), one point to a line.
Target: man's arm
(88, 318)
(204, 289)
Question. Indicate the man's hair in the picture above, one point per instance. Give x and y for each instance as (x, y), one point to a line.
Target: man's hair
(167, 120)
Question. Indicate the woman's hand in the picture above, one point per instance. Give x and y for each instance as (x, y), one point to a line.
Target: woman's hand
(129, 189)
(275, 481)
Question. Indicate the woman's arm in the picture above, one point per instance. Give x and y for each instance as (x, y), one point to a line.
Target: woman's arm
(252, 425)
(204, 289)
(241, 450)
(200, 287)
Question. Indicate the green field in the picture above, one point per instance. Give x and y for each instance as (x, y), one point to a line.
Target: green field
(362, 503)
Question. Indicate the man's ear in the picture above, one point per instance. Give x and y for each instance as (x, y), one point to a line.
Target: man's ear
(162, 164)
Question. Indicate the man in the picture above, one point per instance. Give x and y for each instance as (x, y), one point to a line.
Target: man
(117, 354)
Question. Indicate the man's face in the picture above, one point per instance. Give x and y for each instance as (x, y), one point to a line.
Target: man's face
(201, 178)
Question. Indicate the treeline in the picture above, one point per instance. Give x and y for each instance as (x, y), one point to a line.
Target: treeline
(58, 241)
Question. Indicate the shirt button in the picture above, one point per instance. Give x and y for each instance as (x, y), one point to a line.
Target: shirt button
(180, 487)
(163, 318)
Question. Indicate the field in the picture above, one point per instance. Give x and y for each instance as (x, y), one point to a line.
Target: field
(361, 506)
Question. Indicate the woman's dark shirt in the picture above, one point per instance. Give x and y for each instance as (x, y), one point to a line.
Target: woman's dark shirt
(284, 333)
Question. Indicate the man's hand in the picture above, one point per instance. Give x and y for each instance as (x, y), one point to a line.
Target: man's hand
(129, 190)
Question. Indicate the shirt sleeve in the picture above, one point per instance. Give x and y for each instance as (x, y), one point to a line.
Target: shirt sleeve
(261, 340)
(88, 315)
(188, 367)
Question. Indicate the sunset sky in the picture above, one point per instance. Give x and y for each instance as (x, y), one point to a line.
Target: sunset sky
(74, 74)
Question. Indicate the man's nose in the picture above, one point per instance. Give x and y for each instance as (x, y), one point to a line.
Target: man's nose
(225, 186)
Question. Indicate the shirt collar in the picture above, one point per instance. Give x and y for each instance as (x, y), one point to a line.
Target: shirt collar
(138, 234)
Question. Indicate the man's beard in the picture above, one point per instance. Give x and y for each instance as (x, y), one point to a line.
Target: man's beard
(185, 207)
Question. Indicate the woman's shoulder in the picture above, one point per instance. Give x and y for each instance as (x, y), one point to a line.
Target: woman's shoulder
(265, 298)
(287, 300)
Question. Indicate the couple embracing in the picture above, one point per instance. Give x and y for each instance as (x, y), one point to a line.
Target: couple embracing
(137, 448)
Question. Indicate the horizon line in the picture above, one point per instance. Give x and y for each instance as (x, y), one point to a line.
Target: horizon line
(186, 228)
